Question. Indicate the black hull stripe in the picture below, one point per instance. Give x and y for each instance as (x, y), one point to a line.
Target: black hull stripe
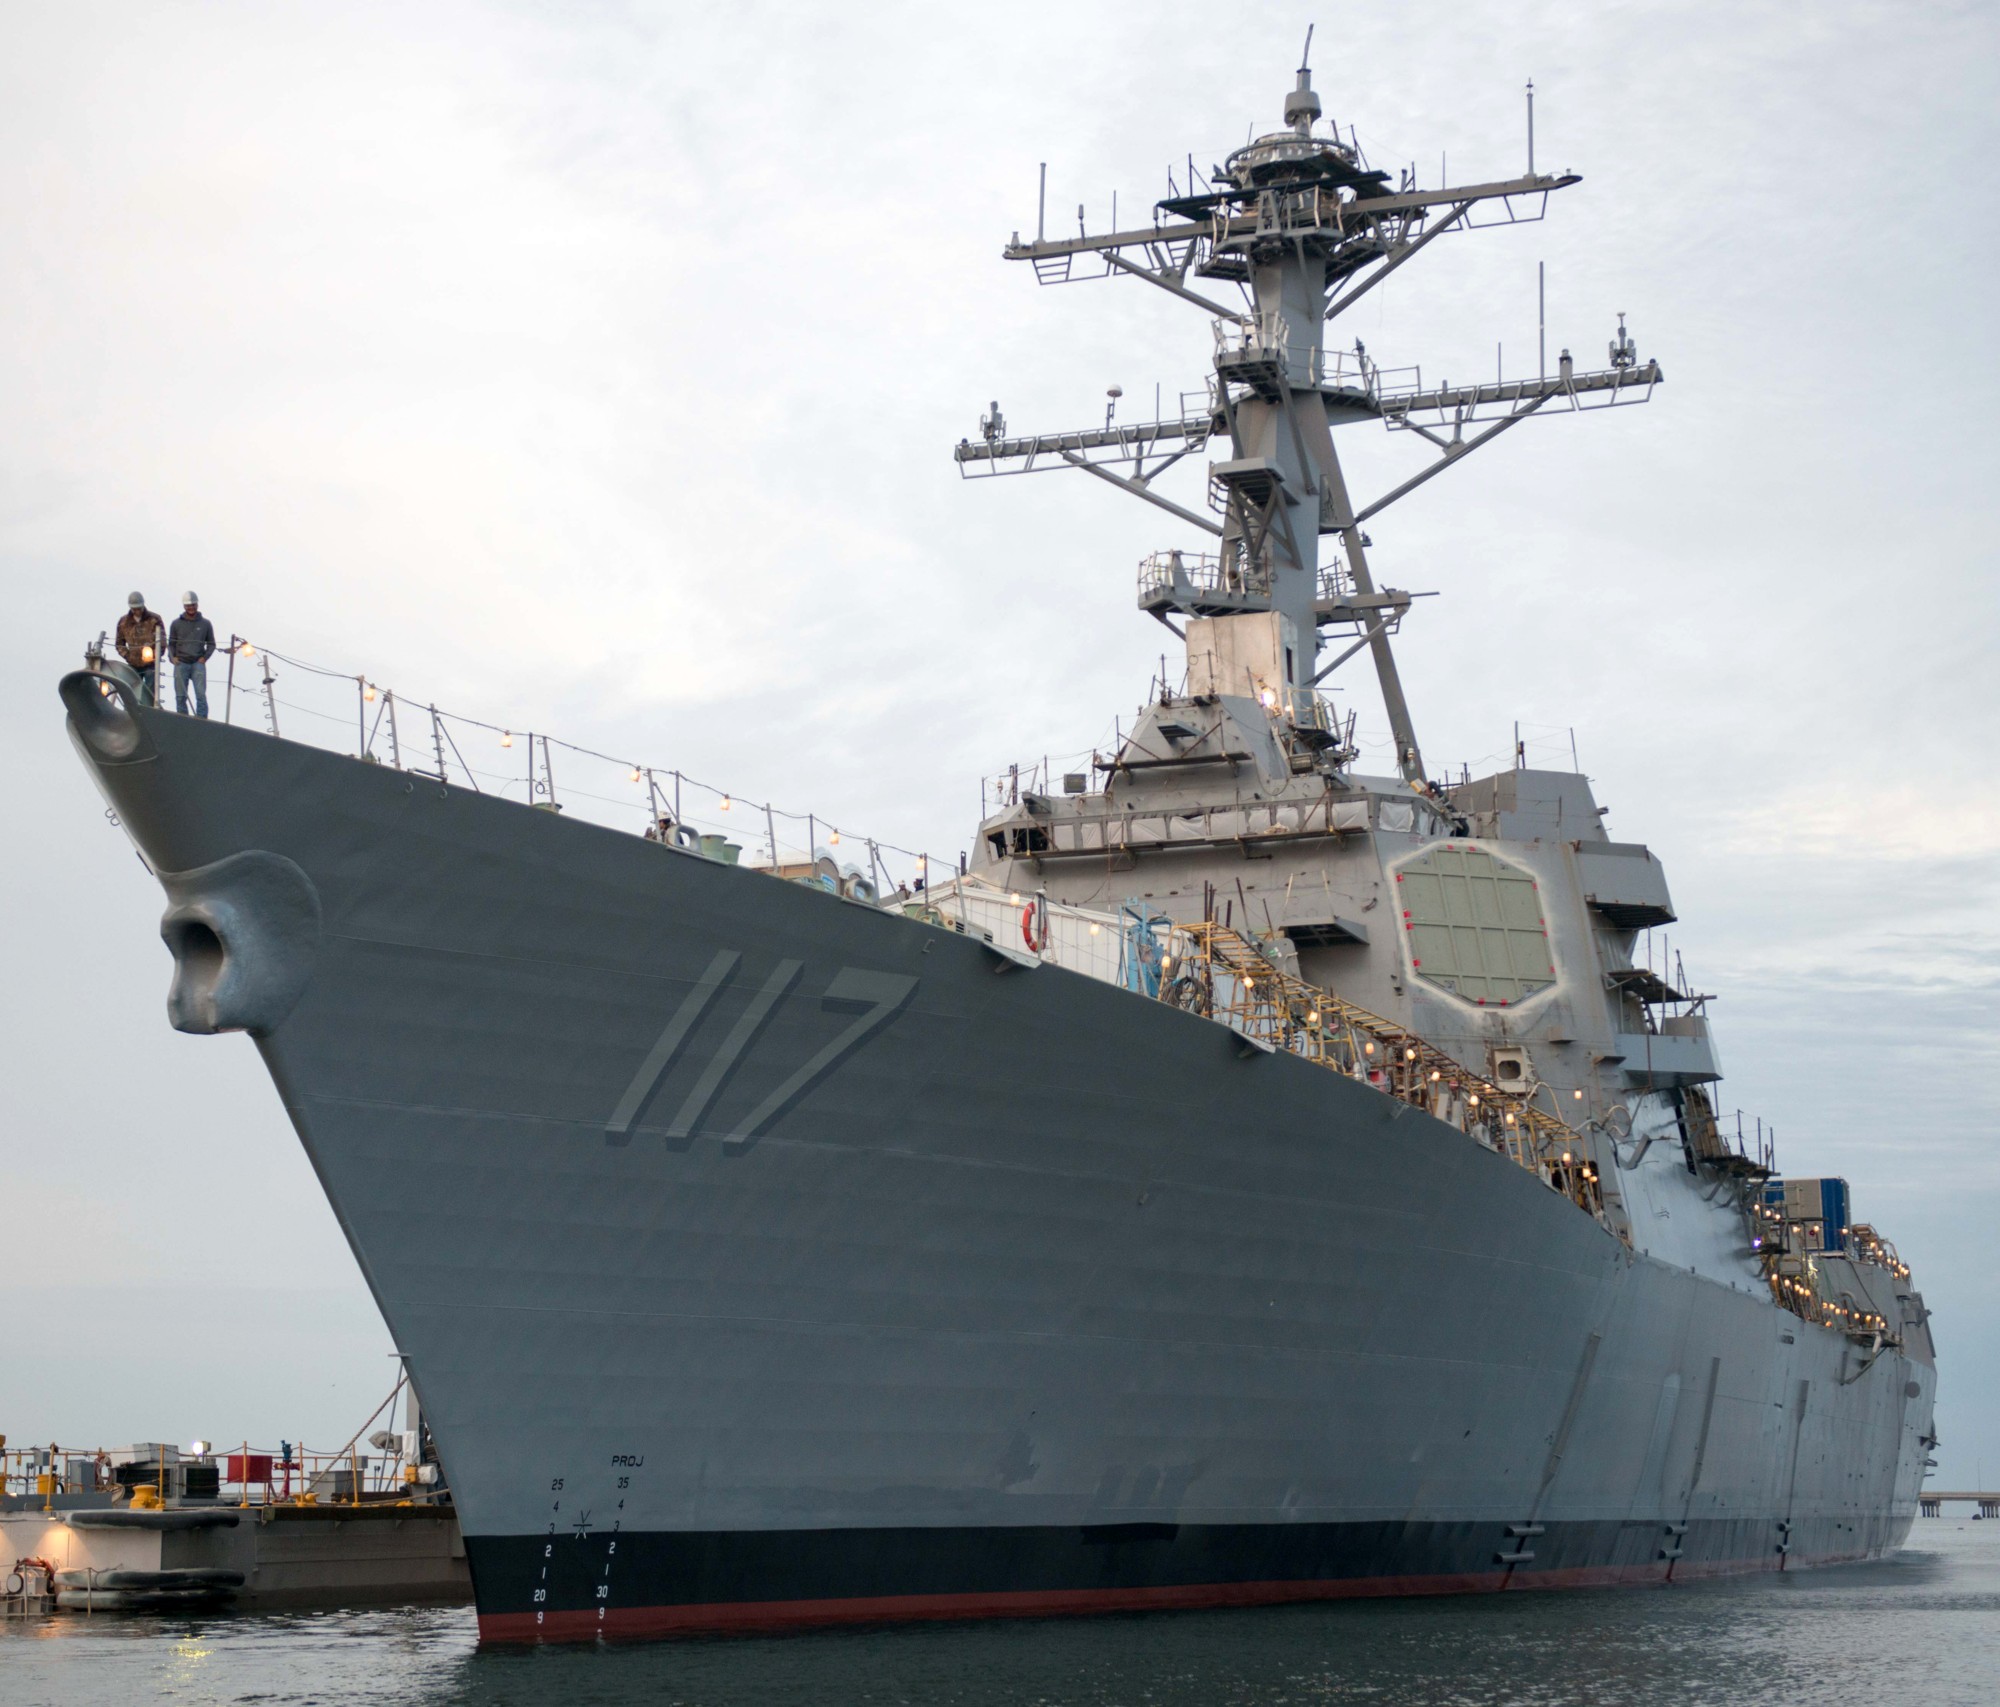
(639, 1582)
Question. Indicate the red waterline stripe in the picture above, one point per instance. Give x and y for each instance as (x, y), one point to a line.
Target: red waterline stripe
(747, 1616)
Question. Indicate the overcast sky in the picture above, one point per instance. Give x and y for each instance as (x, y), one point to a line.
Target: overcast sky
(596, 369)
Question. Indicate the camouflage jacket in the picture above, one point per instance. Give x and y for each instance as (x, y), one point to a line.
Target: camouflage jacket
(140, 632)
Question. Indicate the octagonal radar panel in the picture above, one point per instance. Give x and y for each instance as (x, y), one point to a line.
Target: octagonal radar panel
(1474, 925)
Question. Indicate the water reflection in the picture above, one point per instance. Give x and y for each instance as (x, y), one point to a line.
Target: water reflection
(1922, 1630)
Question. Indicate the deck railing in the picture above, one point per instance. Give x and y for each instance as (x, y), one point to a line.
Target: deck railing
(352, 712)
(388, 1465)
(224, 1472)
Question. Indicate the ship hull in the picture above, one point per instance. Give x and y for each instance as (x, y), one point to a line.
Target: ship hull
(737, 1582)
(765, 1260)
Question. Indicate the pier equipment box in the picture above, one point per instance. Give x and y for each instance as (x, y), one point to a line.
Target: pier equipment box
(1815, 1211)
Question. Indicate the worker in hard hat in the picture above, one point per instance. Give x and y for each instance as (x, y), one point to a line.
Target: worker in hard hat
(190, 644)
(141, 636)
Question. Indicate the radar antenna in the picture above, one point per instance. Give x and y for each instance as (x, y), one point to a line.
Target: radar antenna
(1298, 228)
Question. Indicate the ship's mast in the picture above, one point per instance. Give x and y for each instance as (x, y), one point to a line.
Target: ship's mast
(1300, 227)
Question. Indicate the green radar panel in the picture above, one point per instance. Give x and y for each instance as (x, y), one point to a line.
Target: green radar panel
(1475, 925)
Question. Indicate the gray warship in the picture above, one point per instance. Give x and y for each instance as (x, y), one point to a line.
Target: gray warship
(1243, 1179)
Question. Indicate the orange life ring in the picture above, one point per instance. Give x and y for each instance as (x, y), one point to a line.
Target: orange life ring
(1028, 928)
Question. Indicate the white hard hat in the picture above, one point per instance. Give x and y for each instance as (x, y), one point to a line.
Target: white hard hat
(189, 599)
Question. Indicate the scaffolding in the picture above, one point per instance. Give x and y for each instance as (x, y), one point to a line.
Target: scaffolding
(1216, 972)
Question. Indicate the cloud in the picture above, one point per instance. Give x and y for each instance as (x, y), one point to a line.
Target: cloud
(1877, 824)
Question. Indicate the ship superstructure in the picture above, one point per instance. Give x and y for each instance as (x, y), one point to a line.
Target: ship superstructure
(1247, 1179)
(1482, 933)
(1234, 801)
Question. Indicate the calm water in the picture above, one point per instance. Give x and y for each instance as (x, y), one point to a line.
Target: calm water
(1922, 1630)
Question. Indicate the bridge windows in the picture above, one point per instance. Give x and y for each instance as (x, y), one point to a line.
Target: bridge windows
(1018, 841)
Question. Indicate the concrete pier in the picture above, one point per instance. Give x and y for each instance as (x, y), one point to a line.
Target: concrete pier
(1932, 1502)
(287, 1555)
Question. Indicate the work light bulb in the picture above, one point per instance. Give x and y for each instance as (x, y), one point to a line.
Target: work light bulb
(836, 839)
(506, 737)
(725, 803)
(246, 650)
(636, 773)
(368, 692)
